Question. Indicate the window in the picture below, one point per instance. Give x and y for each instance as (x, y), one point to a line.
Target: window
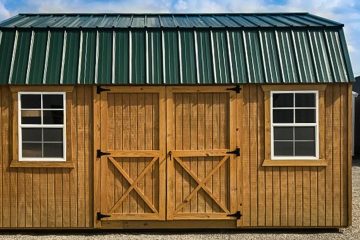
(294, 122)
(41, 128)
(294, 125)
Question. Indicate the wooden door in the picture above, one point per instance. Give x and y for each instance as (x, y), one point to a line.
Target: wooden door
(132, 181)
(200, 171)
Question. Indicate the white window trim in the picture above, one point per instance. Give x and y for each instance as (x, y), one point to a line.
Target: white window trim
(20, 126)
(316, 124)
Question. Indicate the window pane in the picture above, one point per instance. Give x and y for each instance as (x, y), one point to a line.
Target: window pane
(53, 150)
(283, 133)
(283, 100)
(31, 117)
(53, 101)
(305, 115)
(30, 101)
(283, 116)
(283, 148)
(305, 99)
(305, 133)
(31, 150)
(31, 134)
(305, 148)
(53, 134)
(53, 117)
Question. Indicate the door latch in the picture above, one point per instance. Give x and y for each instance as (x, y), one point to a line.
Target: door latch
(99, 153)
(237, 215)
(236, 152)
(100, 216)
(237, 89)
(99, 89)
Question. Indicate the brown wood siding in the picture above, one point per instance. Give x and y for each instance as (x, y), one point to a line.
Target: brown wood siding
(272, 196)
(295, 196)
(48, 197)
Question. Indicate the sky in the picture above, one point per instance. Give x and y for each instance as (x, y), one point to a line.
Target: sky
(344, 11)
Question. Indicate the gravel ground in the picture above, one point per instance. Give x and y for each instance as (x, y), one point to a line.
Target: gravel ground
(349, 233)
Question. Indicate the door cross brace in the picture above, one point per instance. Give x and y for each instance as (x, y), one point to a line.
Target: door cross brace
(133, 184)
(201, 184)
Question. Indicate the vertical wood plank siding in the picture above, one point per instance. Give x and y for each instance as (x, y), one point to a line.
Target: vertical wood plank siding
(48, 197)
(268, 196)
(295, 196)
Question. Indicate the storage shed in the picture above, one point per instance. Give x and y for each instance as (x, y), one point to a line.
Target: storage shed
(174, 121)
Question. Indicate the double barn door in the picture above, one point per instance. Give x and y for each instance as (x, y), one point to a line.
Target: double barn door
(164, 154)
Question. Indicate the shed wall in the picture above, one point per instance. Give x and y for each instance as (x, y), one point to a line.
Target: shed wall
(269, 196)
(48, 197)
(296, 196)
(356, 87)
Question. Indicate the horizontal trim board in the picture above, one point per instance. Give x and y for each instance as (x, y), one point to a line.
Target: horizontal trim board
(42, 164)
(294, 163)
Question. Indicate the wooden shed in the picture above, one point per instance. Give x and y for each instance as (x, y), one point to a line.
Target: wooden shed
(174, 121)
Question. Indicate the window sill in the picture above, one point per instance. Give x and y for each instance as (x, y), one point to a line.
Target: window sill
(294, 163)
(38, 164)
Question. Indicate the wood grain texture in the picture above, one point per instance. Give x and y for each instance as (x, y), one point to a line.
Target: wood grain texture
(45, 197)
(200, 172)
(245, 157)
(349, 156)
(297, 194)
(337, 156)
(131, 181)
(268, 196)
(1, 165)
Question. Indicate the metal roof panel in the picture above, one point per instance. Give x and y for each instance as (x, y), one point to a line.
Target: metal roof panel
(243, 22)
(225, 20)
(212, 21)
(172, 49)
(152, 22)
(168, 22)
(7, 43)
(122, 22)
(276, 21)
(303, 21)
(257, 21)
(197, 21)
(138, 22)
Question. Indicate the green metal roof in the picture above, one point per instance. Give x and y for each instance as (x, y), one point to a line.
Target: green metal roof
(244, 20)
(172, 49)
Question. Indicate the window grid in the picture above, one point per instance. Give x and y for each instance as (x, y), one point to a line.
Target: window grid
(294, 124)
(41, 126)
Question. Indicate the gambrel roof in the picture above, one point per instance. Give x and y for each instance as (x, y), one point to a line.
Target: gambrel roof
(172, 49)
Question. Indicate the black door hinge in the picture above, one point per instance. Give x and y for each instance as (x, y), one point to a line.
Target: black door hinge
(237, 89)
(100, 216)
(99, 153)
(99, 89)
(236, 152)
(237, 215)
